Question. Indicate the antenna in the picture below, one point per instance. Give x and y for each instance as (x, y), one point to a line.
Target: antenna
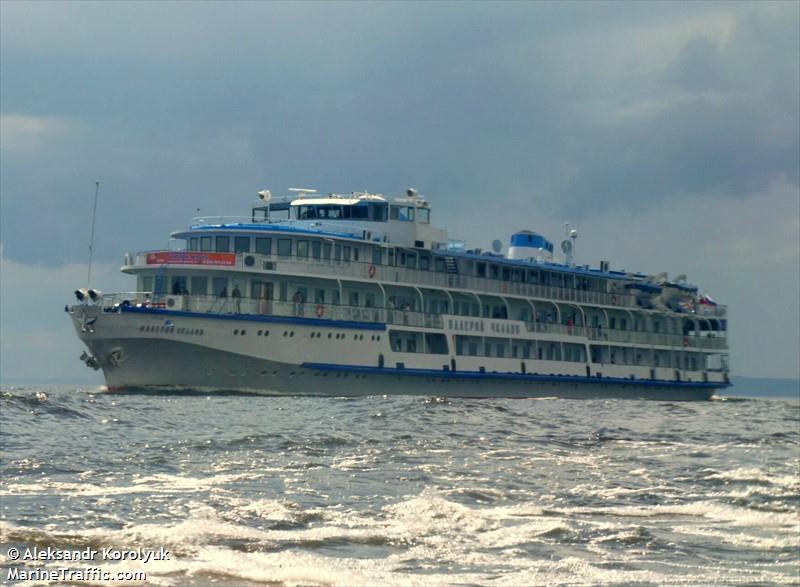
(303, 192)
(91, 239)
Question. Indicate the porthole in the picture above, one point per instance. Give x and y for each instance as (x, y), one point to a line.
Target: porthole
(330, 335)
(243, 332)
(266, 333)
(259, 333)
(285, 333)
(235, 332)
(291, 333)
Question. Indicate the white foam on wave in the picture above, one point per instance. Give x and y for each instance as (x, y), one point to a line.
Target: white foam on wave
(757, 476)
(432, 540)
(159, 483)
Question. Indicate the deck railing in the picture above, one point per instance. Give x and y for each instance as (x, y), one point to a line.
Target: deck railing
(259, 307)
(361, 270)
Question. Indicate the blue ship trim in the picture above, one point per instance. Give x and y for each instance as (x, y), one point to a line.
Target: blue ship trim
(266, 228)
(333, 367)
(318, 322)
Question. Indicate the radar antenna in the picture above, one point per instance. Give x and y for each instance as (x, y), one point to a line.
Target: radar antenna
(303, 192)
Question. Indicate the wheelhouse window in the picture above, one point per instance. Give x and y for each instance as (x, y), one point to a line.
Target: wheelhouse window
(284, 247)
(205, 243)
(424, 215)
(147, 283)
(223, 244)
(359, 212)
(241, 244)
(193, 244)
(264, 246)
(424, 263)
(405, 213)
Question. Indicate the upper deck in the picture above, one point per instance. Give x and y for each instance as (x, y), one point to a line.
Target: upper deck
(373, 238)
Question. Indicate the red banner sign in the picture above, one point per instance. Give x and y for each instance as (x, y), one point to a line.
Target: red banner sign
(191, 258)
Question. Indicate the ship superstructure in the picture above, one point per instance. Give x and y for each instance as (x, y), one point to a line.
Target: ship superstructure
(360, 294)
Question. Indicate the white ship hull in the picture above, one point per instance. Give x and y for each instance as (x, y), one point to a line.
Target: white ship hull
(163, 350)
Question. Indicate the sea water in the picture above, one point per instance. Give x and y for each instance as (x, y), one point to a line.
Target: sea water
(248, 490)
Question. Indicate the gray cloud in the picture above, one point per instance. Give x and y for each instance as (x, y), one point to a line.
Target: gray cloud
(538, 111)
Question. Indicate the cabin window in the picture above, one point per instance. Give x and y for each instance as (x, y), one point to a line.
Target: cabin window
(424, 215)
(316, 249)
(480, 269)
(439, 265)
(284, 247)
(436, 343)
(220, 287)
(346, 253)
(355, 253)
(193, 244)
(424, 263)
(179, 285)
(302, 248)
(319, 296)
(199, 286)
(223, 244)
(377, 256)
(405, 213)
(326, 251)
(241, 244)
(337, 252)
(353, 299)
(264, 246)
(378, 212)
(359, 212)
(391, 256)
(411, 261)
(506, 274)
(494, 271)
(205, 243)
(147, 283)
(306, 212)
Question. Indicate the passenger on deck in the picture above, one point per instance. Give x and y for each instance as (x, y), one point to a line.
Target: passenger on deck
(237, 299)
(299, 299)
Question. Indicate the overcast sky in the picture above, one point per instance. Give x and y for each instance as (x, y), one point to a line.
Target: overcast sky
(667, 133)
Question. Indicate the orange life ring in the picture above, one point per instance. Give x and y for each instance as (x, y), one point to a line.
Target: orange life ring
(320, 310)
(372, 270)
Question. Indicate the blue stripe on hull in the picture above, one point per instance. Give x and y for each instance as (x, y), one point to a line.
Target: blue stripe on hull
(515, 376)
(318, 322)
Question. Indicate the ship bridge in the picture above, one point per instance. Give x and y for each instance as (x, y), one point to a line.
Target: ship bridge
(404, 220)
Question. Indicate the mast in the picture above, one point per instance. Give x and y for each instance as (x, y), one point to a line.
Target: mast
(91, 239)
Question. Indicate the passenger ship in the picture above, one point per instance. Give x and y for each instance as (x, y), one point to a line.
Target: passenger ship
(360, 294)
